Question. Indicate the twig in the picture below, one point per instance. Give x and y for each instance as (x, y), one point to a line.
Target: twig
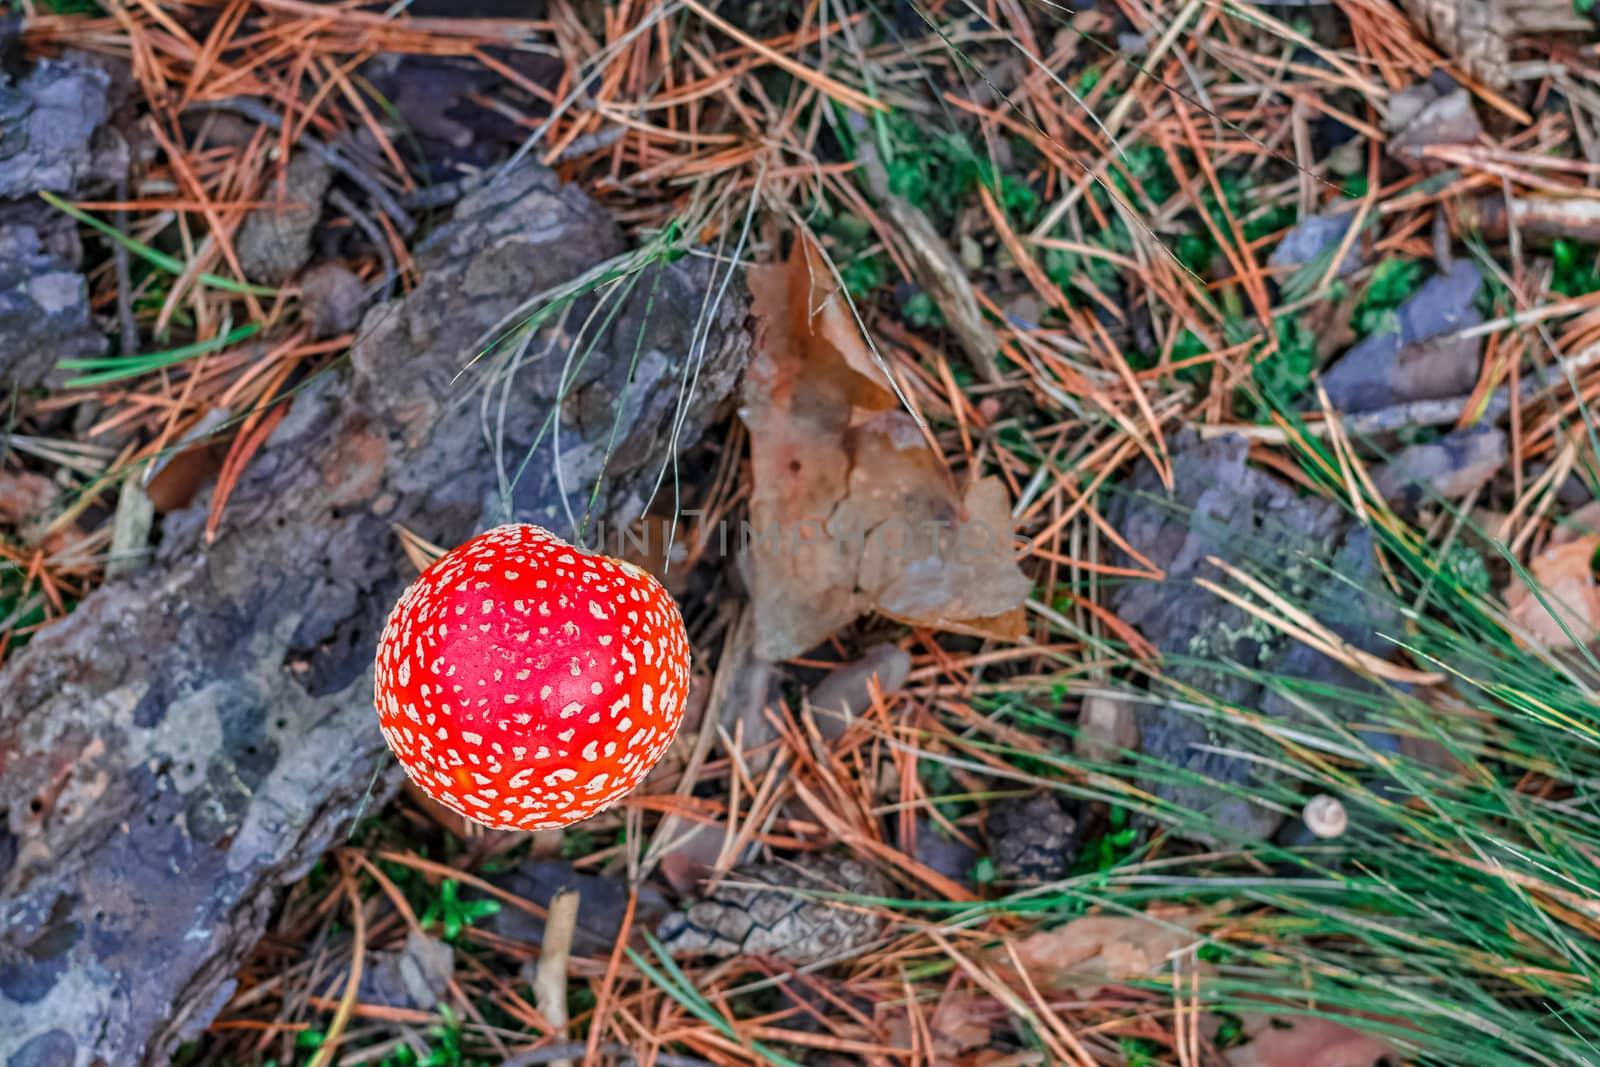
(256, 111)
(130, 531)
(119, 256)
(352, 985)
(535, 1057)
(550, 981)
(373, 234)
(937, 270)
(1420, 412)
(443, 194)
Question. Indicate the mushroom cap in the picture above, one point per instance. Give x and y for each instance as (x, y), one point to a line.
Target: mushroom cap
(1325, 816)
(528, 684)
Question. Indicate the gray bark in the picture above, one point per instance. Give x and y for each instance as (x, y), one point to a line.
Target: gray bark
(188, 742)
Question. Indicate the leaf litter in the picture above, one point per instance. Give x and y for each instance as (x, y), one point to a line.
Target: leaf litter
(1308, 1041)
(851, 510)
(961, 733)
(1562, 606)
(1085, 955)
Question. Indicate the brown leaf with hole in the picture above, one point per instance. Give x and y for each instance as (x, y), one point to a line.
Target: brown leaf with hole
(1097, 950)
(850, 510)
(1565, 580)
(1307, 1041)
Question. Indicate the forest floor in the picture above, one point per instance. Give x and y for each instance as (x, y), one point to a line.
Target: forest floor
(1265, 334)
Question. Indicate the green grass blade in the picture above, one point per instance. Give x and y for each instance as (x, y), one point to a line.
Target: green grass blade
(150, 255)
(679, 987)
(114, 368)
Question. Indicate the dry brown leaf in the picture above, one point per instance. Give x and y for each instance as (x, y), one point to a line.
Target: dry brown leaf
(959, 1026)
(1009, 626)
(1308, 1041)
(1582, 522)
(937, 559)
(850, 510)
(1096, 950)
(798, 395)
(1565, 579)
(25, 497)
(807, 341)
(959, 1022)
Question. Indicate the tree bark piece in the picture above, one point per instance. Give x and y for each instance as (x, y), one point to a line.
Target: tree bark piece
(1478, 33)
(191, 740)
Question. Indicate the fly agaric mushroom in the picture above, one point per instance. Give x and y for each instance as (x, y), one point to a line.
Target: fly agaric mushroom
(528, 684)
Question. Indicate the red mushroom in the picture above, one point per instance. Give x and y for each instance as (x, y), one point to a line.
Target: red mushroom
(528, 684)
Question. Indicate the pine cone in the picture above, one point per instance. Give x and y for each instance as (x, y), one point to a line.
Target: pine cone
(784, 920)
(1034, 839)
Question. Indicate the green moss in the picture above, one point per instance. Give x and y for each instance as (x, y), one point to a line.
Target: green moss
(1393, 281)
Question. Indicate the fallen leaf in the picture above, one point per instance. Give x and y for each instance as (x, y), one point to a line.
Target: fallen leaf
(189, 463)
(24, 497)
(930, 556)
(798, 399)
(959, 1024)
(1565, 579)
(1096, 950)
(1308, 1041)
(850, 510)
(1582, 522)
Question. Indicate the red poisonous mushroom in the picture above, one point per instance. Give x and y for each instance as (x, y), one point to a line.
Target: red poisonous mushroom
(528, 684)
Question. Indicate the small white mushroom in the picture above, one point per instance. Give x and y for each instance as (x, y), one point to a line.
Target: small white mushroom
(1325, 817)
